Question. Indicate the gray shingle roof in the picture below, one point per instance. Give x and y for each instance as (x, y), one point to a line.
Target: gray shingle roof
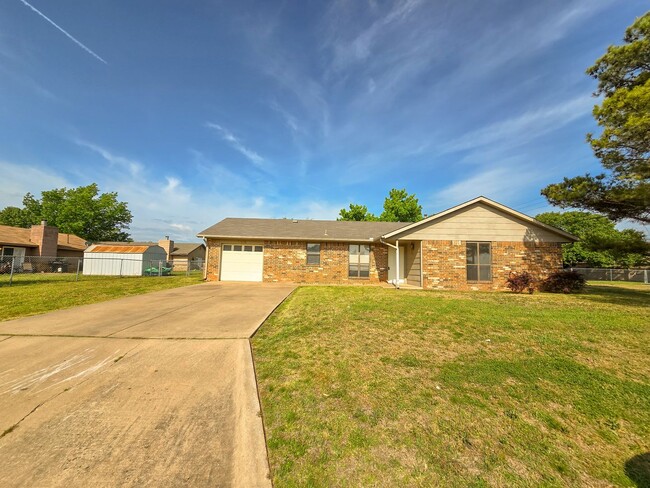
(184, 248)
(317, 230)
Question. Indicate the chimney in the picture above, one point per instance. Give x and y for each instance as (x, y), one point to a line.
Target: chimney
(167, 245)
(46, 238)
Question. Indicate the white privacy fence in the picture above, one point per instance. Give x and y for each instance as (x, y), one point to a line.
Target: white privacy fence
(612, 274)
(76, 268)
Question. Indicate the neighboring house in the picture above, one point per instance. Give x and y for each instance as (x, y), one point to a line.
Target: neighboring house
(124, 259)
(180, 254)
(475, 245)
(40, 240)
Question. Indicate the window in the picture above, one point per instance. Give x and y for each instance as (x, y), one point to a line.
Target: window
(242, 248)
(359, 261)
(313, 254)
(479, 261)
(7, 251)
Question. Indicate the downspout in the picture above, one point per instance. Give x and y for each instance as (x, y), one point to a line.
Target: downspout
(396, 247)
(207, 257)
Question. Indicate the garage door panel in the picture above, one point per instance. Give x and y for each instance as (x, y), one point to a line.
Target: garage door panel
(243, 264)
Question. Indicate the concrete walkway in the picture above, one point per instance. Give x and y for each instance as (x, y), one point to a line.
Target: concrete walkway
(152, 390)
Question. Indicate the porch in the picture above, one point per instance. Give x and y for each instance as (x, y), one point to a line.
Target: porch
(405, 263)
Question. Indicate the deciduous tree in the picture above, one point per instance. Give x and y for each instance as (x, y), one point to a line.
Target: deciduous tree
(356, 212)
(601, 244)
(399, 206)
(82, 211)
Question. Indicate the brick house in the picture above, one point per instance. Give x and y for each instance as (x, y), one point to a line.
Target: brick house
(183, 254)
(473, 246)
(39, 240)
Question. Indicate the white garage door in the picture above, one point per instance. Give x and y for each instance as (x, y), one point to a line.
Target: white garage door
(242, 262)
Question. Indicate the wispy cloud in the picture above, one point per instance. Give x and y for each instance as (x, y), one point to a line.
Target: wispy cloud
(499, 182)
(525, 127)
(22, 178)
(537, 28)
(237, 144)
(134, 167)
(66, 33)
(364, 41)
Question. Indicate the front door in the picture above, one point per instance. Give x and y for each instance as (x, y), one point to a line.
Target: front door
(392, 264)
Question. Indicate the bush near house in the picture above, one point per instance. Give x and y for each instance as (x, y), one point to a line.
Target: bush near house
(566, 281)
(519, 282)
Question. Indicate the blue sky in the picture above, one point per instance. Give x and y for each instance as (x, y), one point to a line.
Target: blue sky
(194, 111)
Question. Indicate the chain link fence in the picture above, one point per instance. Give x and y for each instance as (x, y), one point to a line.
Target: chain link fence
(611, 274)
(60, 268)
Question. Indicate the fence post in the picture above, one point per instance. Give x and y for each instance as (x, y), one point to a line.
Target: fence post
(611, 275)
(11, 273)
(78, 268)
(121, 262)
(159, 268)
(645, 276)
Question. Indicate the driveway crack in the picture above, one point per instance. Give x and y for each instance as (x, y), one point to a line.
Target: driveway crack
(13, 427)
(9, 430)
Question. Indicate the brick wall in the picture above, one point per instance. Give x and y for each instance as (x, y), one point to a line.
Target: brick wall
(286, 261)
(213, 260)
(443, 263)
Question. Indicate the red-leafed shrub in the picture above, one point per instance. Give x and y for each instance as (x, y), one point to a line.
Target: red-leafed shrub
(520, 282)
(563, 282)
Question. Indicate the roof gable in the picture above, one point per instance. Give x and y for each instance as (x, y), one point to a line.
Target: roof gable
(545, 232)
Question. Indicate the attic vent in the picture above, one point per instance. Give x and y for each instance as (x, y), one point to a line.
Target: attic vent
(294, 221)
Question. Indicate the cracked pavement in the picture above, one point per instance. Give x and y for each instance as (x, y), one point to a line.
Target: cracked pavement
(157, 389)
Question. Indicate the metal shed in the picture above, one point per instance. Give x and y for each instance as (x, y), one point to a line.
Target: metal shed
(128, 259)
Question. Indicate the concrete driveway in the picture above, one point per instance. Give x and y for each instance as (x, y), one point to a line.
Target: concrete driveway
(152, 390)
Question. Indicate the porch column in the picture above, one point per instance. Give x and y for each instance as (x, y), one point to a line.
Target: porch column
(397, 264)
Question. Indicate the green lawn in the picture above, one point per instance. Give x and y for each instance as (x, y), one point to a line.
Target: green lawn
(364, 386)
(32, 294)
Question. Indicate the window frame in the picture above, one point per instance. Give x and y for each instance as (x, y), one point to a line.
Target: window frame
(312, 253)
(7, 248)
(478, 265)
(358, 264)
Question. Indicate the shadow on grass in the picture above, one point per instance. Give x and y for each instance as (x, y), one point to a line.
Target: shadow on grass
(27, 282)
(617, 295)
(638, 470)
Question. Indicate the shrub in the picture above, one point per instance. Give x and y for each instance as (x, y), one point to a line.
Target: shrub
(519, 282)
(564, 282)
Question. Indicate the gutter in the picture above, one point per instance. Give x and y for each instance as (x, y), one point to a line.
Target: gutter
(276, 238)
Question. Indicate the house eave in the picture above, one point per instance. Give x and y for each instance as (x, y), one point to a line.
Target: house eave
(294, 239)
